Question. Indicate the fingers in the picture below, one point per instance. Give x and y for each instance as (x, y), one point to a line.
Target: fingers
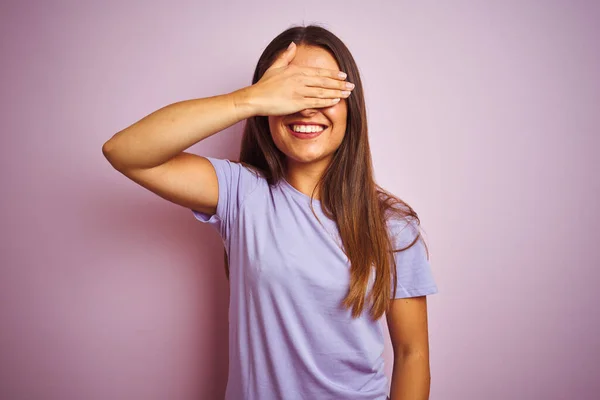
(286, 57)
(321, 93)
(320, 103)
(325, 88)
(325, 73)
(327, 82)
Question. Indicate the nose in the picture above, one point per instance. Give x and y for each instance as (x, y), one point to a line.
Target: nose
(308, 112)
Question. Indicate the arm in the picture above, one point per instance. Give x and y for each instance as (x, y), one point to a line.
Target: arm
(165, 133)
(407, 323)
(150, 152)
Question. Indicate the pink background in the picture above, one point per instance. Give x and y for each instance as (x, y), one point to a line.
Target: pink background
(484, 116)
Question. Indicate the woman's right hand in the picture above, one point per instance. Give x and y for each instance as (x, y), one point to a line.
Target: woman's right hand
(285, 89)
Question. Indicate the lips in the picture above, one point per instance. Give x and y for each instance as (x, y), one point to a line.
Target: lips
(306, 123)
(305, 135)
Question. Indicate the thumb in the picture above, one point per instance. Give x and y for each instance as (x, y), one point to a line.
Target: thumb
(286, 57)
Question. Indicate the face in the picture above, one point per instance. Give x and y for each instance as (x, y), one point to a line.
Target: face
(320, 149)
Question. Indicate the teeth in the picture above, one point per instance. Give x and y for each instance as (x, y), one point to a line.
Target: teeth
(307, 128)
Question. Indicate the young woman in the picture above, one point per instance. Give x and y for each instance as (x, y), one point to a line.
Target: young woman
(317, 252)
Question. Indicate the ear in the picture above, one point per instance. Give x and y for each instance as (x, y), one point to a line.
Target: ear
(286, 57)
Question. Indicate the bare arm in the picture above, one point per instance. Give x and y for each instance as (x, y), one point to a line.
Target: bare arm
(160, 136)
(407, 323)
(151, 151)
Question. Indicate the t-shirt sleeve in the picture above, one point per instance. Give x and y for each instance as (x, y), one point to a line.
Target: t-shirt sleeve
(235, 183)
(413, 270)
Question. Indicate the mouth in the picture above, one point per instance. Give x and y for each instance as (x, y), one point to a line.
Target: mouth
(305, 135)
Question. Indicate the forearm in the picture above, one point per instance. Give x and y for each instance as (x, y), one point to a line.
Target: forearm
(410, 377)
(166, 132)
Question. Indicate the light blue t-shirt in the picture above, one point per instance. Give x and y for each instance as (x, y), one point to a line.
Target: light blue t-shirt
(289, 336)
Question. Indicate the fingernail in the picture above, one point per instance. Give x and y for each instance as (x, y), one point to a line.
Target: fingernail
(350, 85)
(342, 75)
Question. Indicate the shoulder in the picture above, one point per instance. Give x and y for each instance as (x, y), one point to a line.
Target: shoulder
(403, 231)
(237, 182)
(250, 170)
(401, 220)
(236, 170)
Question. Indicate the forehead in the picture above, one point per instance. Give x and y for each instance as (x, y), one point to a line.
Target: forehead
(316, 57)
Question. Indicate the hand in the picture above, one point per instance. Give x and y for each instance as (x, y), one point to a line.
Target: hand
(286, 89)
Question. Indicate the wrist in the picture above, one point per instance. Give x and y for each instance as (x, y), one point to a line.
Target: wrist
(244, 104)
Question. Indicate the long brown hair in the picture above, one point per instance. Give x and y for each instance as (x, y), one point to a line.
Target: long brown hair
(348, 192)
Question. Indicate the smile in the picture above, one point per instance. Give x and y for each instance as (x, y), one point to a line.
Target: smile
(305, 131)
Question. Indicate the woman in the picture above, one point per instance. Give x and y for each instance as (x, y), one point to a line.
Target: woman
(317, 252)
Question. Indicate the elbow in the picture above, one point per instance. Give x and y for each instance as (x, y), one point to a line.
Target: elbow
(106, 147)
(411, 352)
(109, 153)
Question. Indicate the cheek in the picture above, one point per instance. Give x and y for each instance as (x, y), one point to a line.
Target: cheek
(273, 122)
(337, 114)
(275, 127)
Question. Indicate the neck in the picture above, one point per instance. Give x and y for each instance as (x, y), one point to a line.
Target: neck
(305, 176)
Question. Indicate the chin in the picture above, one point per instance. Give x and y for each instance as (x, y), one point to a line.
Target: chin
(307, 158)
(304, 153)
